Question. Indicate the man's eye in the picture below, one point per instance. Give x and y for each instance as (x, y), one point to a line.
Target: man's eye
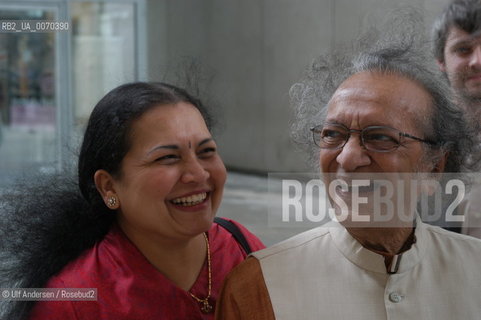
(379, 137)
(328, 133)
(463, 50)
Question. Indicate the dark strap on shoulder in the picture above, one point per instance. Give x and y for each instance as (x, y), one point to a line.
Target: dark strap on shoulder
(235, 231)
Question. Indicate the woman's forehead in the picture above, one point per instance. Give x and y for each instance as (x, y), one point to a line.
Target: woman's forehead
(169, 124)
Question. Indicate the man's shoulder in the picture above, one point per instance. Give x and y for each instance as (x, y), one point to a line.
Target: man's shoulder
(294, 243)
(449, 238)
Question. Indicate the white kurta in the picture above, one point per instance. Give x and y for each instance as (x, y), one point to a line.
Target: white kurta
(325, 273)
(471, 207)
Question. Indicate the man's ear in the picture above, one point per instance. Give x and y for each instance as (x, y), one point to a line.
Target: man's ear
(429, 186)
(440, 164)
(106, 187)
(441, 65)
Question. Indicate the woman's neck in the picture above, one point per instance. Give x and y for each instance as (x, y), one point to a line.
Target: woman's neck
(178, 260)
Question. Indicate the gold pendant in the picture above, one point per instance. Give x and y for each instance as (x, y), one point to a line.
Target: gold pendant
(206, 308)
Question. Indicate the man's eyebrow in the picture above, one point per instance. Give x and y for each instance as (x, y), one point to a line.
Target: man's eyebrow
(462, 42)
(332, 121)
(470, 39)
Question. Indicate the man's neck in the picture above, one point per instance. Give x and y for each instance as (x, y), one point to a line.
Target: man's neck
(383, 240)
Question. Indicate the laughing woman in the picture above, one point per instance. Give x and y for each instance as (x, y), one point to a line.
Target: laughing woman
(151, 181)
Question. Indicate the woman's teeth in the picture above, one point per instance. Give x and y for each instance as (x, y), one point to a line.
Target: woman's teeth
(190, 200)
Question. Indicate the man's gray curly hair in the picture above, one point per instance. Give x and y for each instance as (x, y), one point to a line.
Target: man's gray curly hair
(404, 53)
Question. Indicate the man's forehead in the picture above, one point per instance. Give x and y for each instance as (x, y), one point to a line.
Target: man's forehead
(385, 90)
(368, 84)
(457, 36)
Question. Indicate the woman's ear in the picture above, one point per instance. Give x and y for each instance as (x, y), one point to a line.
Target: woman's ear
(106, 187)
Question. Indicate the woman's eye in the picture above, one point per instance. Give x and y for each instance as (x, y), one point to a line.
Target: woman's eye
(167, 158)
(207, 151)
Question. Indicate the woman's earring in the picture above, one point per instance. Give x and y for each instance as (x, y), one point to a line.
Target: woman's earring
(111, 202)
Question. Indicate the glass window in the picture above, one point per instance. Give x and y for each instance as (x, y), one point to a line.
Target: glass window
(103, 50)
(37, 98)
(28, 97)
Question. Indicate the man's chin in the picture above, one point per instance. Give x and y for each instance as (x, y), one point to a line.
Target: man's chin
(368, 218)
(470, 100)
(471, 90)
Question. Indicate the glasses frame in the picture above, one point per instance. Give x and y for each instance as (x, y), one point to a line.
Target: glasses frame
(318, 129)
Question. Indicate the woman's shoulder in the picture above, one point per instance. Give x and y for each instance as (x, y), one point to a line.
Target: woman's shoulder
(223, 233)
(81, 272)
(110, 258)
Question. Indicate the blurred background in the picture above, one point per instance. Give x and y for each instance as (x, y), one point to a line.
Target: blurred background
(246, 53)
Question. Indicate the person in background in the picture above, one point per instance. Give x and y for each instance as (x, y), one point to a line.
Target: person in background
(457, 49)
(140, 229)
(380, 111)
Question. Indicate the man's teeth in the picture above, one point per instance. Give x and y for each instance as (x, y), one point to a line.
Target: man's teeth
(190, 200)
(360, 188)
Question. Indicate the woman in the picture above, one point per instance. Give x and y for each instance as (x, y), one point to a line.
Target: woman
(150, 172)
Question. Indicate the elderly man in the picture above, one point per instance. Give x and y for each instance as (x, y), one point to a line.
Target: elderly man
(385, 113)
(457, 48)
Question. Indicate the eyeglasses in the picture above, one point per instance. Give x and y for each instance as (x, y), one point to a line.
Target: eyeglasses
(373, 138)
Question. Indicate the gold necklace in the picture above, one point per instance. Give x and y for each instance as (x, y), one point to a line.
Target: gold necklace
(206, 307)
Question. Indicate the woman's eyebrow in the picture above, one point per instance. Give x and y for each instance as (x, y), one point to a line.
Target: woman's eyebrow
(176, 147)
(170, 146)
(205, 141)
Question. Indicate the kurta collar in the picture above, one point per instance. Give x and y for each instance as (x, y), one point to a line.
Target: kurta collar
(372, 261)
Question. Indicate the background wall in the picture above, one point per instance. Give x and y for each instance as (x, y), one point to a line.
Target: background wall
(253, 51)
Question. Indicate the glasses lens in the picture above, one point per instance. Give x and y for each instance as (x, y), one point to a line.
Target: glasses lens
(380, 139)
(331, 137)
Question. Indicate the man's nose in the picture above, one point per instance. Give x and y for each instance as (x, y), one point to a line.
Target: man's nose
(475, 59)
(353, 155)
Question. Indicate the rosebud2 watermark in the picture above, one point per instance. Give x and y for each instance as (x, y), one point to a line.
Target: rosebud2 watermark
(368, 199)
